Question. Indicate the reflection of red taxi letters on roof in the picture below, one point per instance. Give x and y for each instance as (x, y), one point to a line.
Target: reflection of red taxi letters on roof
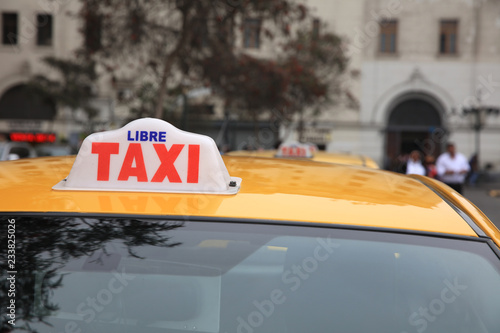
(134, 155)
(178, 204)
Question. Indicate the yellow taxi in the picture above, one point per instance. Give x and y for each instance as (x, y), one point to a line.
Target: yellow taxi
(294, 150)
(149, 229)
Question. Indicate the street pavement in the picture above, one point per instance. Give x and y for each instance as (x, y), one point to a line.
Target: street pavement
(480, 196)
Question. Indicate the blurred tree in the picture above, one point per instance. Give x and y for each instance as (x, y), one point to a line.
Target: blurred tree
(145, 102)
(189, 43)
(73, 85)
(314, 64)
(305, 75)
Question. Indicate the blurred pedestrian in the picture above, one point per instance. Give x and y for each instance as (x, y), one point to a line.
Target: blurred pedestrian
(474, 170)
(414, 165)
(452, 168)
(225, 149)
(398, 164)
(430, 166)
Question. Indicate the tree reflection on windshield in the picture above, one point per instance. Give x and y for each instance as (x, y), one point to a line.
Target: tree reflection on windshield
(45, 244)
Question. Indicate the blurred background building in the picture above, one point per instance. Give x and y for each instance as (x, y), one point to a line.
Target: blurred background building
(32, 30)
(421, 73)
(416, 67)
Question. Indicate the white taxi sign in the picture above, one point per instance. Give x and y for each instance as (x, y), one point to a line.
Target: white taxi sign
(296, 150)
(149, 155)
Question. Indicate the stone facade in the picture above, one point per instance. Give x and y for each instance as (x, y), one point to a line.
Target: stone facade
(20, 61)
(418, 74)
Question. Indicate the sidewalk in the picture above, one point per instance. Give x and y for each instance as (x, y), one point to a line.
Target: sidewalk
(481, 196)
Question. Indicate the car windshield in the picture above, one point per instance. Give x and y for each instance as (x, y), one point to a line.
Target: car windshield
(135, 275)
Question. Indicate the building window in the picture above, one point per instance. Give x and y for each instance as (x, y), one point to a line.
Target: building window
(93, 31)
(448, 37)
(9, 29)
(388, 36)
(251, 38)
(315, 28)
(44, 29)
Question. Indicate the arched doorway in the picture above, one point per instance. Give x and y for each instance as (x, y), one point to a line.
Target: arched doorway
(19, 103)
(414, 123)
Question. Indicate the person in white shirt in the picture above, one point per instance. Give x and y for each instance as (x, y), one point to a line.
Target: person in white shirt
(414, 164)
(452, 168)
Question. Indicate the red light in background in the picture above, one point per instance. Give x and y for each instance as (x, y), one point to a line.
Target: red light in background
(33, 137)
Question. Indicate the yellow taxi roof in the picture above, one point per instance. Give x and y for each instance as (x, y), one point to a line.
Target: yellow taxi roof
(272, 189)
(319, 156)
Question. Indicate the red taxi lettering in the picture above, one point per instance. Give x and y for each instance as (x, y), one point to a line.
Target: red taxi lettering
(134, 165)
(167, 168)
(134, 153)
(293, 151)
(104, 151)
(193, 164)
